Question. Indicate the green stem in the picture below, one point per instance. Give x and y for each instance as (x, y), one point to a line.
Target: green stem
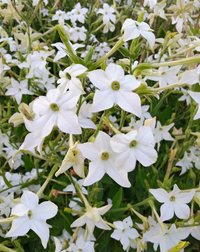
(113, 50)
(35, 11)
(8, 220)
(53, 170)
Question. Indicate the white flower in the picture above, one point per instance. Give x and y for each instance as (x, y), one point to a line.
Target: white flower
(185, 163)
(74, 158)
(166, 75)
(174, 202)
(55, 110)
(185, 97)
(81, 245)
(135, 145)
(190, 76)
(68, 78)
(124, 232)
(108, 27)
(93, 218)
(71, 188)
(6, 203)
(107, 13)
(18, 89)
(196, 97)
(133, 29)
(115, 87)
(62, 49)
(32, 215)
(78, 13)
(102, 161)
(165, 238)
(78, 33)
(151, 3)
(161, 132)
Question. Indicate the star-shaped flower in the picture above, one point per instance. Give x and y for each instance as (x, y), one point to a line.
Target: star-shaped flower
(124, 232)
(102, 161)
(68, 78)
(32, 215)
(18, 89)
(54, 109)
(133, 29)
(93, 218)
(115, 87)
(174, 202)
(135, 145)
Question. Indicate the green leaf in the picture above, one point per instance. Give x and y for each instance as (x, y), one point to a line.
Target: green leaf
(117, 200)
(103, 240)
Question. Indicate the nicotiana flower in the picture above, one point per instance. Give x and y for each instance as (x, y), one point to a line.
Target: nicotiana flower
(81, 245)
(17, 89)
(93, 218)
(133, 29)
(54, 109)
(151, 3)
(107, 13)
(78, 13)
(32, 215)
(161, 132)
(185, 163)
(115, 87)
(166, 75)
(74, 158)
(62, 50)
(68, 78)
(196, 97)
(124, 232)
(166, 238)
(135, 145)
(190, 76)
(71, 188)
(102, 161)
(77, 33)
(174, 202)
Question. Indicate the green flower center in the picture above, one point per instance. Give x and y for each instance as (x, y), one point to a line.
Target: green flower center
(29, 213)
(75, 152)
(172, 198)
(115, 85)
(54, 107)
(105, 156)
(68, 76)
(133, 144)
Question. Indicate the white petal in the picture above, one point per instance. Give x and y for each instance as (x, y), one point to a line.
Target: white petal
(42, 230)
(45, 210)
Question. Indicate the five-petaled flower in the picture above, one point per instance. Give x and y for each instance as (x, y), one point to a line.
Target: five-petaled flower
(32, 215)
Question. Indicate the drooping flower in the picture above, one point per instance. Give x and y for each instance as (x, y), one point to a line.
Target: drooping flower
(74, 158)
(32, 215)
